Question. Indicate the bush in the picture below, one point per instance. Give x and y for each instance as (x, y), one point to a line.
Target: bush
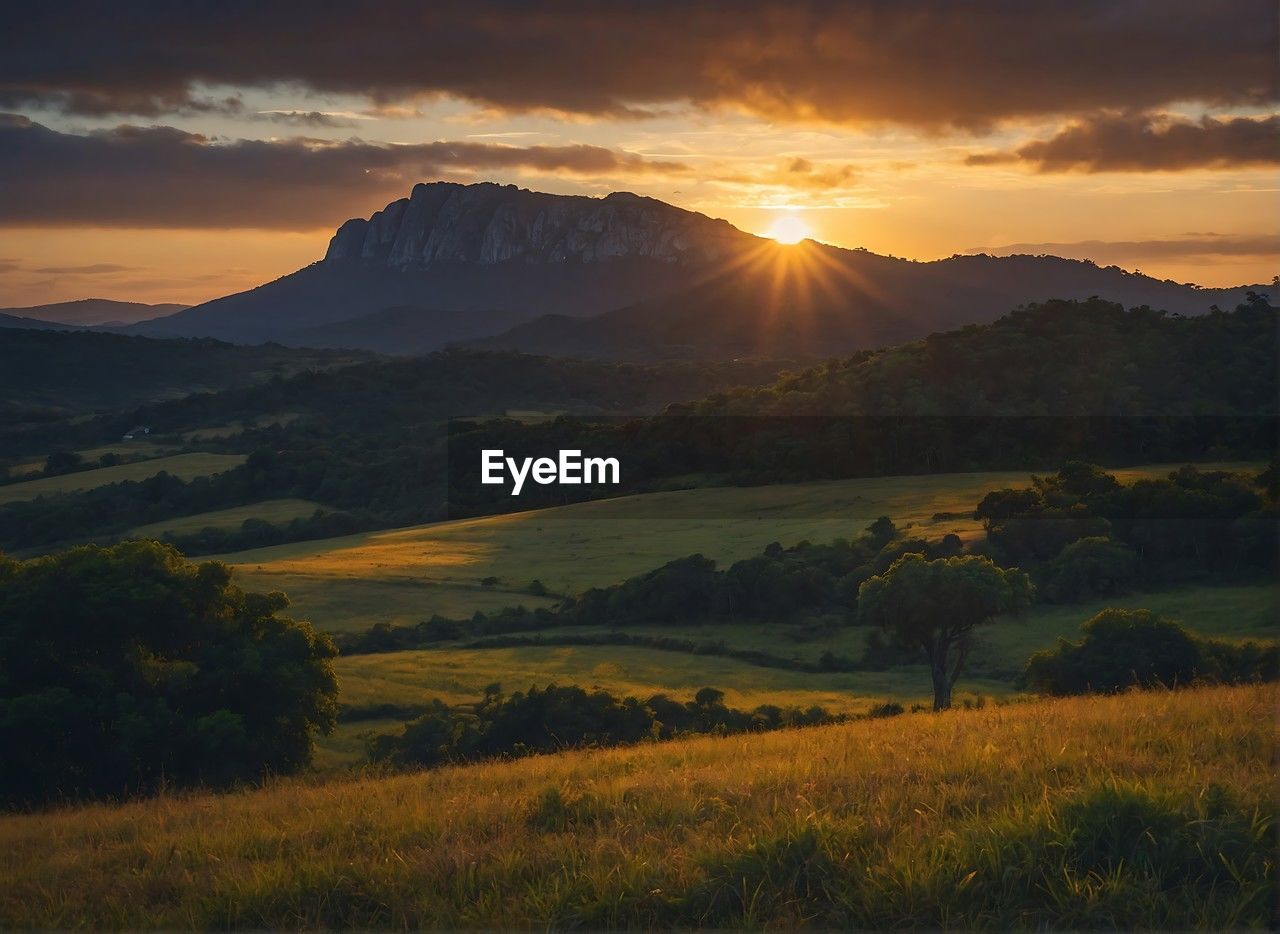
(1136, 648)
(1094, 566)
(125, 667)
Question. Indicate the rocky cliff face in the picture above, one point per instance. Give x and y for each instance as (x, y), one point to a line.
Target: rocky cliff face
(486, 223)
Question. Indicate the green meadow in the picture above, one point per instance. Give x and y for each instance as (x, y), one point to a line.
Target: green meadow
(454, 568)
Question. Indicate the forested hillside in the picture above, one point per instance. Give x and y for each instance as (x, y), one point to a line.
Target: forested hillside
(82, 371)
(1056, 358)
(366, 440)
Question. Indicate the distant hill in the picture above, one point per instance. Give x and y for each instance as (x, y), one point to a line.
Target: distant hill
(813, 300)
(630, 278)
(89, 312)
(14, 321)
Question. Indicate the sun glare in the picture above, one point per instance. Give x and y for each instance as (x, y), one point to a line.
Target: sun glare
(788, 228)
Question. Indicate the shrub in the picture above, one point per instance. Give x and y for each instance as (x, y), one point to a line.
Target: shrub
(1136, 648)
(553, 718)
(125, 667)
(1094, 566)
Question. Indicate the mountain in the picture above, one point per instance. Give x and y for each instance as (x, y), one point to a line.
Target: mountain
(630, 278)
(814, 300)
(452, 262)
(90, 312)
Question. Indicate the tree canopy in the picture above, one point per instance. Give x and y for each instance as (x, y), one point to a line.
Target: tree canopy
(1136, 648)
(127, 667)
(934, 607)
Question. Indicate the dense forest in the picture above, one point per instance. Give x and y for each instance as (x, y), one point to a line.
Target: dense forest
(1055, 358)
(1044, 384)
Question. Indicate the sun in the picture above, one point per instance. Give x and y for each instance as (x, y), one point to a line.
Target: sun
(788, 228)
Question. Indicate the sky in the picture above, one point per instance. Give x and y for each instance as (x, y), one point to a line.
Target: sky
(162, 152)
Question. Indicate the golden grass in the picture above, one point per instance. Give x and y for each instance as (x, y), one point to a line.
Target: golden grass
(461, 675)
(183, 466)
(574, 547)
(923, 820)
(275, 511)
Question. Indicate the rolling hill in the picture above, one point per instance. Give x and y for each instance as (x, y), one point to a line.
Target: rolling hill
(813, 300)
(1086, 812)
(90, 312)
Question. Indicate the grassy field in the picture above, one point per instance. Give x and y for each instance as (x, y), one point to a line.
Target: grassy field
(407, 575)
(127, 450)
(461, 675)
(234, 428)
(277, 511)
(184, 466)
(1143, 811)
(458, 675)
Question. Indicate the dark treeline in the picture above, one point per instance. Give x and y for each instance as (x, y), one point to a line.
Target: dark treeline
(554, 718)
(1044, 384)
(1056, 358)
(657, 453)
(46, 375)
(1084, 534)
(805, 588)
(384, 404)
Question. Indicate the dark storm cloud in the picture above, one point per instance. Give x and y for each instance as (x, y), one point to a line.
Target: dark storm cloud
(1146, 143)
(163, 177)
(928, 63)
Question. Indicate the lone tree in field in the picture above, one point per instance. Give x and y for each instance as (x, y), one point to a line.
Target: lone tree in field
(934, 606)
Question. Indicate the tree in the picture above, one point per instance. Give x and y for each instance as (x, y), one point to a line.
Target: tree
(1089, 567)
(126, 667)
(60, 462)
(934, 607)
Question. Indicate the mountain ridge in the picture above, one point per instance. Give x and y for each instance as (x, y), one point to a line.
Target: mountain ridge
(488, 223)
(90, 312)
(631, 278)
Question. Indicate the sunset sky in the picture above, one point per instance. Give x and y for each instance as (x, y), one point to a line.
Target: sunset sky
(177, 152)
